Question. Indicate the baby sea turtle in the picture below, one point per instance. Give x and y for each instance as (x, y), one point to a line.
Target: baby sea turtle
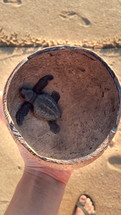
(42, 104)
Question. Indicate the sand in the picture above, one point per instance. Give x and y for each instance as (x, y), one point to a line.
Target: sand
(101, 179)
(88, 23)
(93, 24)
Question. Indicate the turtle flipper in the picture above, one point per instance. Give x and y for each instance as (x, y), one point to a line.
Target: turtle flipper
(22, 112)
(42, 83)
(56, 96)
(54, 127)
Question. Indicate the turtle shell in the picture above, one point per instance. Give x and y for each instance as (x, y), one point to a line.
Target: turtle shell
(46, 108)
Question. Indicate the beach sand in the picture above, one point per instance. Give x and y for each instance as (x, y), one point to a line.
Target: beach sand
(89, 23)
(101, 179)
(95, 24)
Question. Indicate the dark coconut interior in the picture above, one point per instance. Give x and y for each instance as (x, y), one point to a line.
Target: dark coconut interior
(89, 103)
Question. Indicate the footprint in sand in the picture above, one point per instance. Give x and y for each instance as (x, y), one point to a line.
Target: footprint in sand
(72, 15)
(13, 2)
(114, 163)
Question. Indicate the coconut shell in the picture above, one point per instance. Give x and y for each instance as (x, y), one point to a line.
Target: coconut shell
(89, 101)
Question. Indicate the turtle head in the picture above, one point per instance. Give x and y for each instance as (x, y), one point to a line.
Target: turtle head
(27, 94)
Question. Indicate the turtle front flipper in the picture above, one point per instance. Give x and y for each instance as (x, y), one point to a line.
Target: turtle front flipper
(42, 83)
(54, 127)
(22, 112)
(56, 96)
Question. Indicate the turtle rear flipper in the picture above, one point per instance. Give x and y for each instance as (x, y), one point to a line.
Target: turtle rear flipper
(42, 83)
(22, 112)
(54, 127)
(56, 96)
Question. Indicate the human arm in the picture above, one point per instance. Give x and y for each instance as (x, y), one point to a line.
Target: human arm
(40, 189)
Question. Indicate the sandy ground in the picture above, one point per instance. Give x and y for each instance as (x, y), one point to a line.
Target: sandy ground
(45, 23)
(101, 179)
(39, 22)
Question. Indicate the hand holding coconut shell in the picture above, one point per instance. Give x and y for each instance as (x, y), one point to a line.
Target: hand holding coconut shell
(32, 165)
